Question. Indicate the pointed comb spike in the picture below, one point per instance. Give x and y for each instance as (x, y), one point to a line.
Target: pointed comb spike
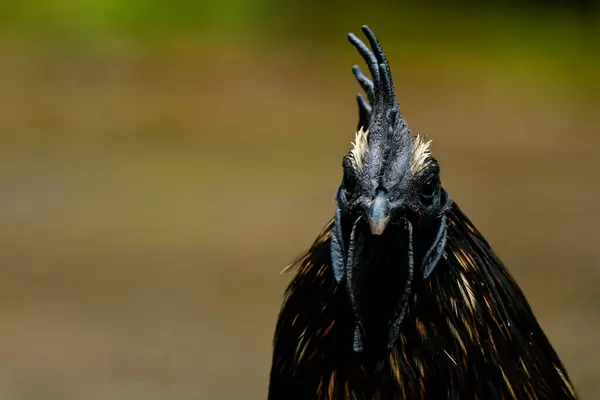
(375, 45)
(367, 55)
(386, 82)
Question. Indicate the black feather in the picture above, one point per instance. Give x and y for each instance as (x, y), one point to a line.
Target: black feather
(489, 346)
(359, 322)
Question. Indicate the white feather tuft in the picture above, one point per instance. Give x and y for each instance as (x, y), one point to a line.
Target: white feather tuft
(360, 147)
(421, 154)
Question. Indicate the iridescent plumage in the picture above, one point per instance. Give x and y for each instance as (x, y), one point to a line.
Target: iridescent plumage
(415, 307)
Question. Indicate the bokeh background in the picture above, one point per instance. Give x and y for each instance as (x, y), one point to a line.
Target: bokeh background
(160, 163)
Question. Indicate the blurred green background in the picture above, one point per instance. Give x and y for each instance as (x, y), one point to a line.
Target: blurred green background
(160, 163)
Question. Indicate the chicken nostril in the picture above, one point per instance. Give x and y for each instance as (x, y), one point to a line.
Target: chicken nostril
(379, 214)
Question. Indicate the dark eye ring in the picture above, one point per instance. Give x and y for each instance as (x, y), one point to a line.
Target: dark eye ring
(428, 189)
(349, 182)
(349, 176)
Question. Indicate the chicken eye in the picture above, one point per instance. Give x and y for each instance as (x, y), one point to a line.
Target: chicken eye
(349, 182)
(428, 190)
(349, 178)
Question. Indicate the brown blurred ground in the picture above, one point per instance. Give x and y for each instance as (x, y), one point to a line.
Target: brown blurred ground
(149, 201)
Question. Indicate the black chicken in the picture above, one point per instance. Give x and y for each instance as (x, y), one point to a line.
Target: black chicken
(400, 297)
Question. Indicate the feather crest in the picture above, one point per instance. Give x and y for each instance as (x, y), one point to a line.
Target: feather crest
(421, 154)
(360, 146)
